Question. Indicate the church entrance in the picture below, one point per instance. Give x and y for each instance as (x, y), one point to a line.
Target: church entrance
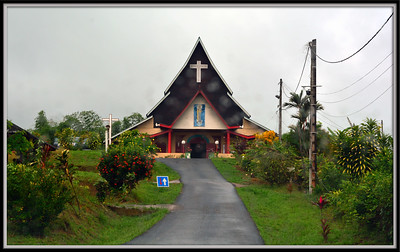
(198, 150)
(198, 145)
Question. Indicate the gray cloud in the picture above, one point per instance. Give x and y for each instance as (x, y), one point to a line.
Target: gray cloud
(120, 60)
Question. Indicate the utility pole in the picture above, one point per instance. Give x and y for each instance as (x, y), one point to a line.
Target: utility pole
(313, 115)
(280, 109)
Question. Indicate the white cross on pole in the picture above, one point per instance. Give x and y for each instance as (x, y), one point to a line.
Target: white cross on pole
(110, 120)
(198, 66)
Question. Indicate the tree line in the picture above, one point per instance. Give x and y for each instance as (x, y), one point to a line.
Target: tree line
(82, 129)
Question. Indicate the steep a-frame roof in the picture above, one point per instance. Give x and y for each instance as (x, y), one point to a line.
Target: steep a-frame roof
(209, 59)
(185, 85)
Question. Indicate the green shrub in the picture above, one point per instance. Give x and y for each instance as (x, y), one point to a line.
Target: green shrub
(66, 137)
(94, 141)
(268, 161)
(330, 177)
(35, 197)
(18, 146)
(367, 202)
(272, 167)
(357, 146)
(128, 161)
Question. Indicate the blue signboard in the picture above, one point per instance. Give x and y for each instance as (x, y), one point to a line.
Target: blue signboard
(162, 181)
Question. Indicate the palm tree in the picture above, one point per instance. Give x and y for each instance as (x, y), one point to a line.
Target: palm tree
(302, 104)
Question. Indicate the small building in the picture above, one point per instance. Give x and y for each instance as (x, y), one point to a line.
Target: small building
(11, 130)
(198, 113)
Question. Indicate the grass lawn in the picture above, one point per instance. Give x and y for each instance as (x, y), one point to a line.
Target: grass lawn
(95, 223)
(285, 218)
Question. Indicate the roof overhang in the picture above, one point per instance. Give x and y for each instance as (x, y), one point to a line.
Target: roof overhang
(133, 127)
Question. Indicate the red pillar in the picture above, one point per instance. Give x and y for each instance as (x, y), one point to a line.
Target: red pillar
(228, 141)
(169, 141)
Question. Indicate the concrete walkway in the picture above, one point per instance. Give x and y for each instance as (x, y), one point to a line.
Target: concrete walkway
(208, 212)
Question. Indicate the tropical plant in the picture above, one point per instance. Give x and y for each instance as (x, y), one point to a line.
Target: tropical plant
(367, 202)
(66, 137)
(302, 104)
(269, 162)
(268, 136)
(36, 194)
(325, 227)
(355, 147)
(68, 170)
(18, 146)
(94, 140)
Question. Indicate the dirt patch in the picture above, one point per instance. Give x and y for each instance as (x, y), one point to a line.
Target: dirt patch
(88, 168)
(170, 207)
(130, 211)
(92, 188)
(239, 185)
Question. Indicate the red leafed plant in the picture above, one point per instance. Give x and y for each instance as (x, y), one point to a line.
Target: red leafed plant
(325, 227)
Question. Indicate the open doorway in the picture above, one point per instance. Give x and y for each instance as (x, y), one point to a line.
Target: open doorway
(198, 144)
(198, 150)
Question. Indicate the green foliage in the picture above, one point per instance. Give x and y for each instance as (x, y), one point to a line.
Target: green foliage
(365, 195)
(368, 202)
(18, 147)
(94, 140)
(300, 131)
(128, 161)
(330, 176)
(269, 162)
(66, 137)
(18, 142)
(82, 121)
(43, 129)
(41, 121)
(131, 120)
(356, 147)
(35, 197)
(102, 190)
(68, 171)
(97, 225)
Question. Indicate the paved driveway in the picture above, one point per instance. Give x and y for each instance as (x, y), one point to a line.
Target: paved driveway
(209, 211)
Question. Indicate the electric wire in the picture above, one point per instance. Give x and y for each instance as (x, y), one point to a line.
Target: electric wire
(358, 79)
(361, 89)
(283, 89)
(302, 71)
(363, 107)
(339, 61)
(337, 125)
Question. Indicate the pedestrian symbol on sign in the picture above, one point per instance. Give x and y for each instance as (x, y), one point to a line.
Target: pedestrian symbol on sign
(162, 181)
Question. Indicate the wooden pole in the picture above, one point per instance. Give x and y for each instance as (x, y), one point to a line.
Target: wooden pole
(280, 110)
(313, 113)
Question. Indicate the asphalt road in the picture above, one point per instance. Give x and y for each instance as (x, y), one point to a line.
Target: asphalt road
(209, 211)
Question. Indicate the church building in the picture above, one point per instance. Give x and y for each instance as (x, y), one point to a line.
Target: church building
(198, 113)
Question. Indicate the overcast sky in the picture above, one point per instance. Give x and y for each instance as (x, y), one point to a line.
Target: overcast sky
(120, 59)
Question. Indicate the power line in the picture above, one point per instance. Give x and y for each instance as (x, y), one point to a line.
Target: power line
(358, 79)
(363, 107)
(337, 125)
(302, 71)
(339, 61)
(361, 90)
(284, 90)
